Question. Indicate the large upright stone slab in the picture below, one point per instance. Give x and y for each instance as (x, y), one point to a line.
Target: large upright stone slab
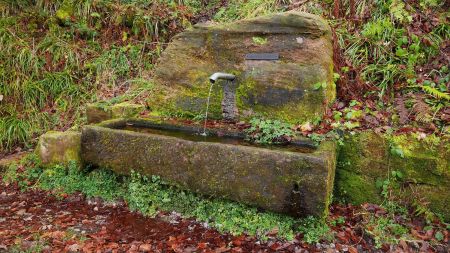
(285, 89)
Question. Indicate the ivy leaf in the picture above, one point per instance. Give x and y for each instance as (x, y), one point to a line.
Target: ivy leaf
(439, 236)
(337, 115)
(353, 103)
(402, 41)
(336, 76)
(397, 174)
(398, 151)
(379, 183)
(349, 115)
(401, 52)
(442, 87)
(317, 86)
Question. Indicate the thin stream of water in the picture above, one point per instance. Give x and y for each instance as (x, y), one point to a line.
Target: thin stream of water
(207, 108)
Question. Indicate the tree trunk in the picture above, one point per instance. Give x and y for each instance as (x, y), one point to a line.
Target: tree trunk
(336, 9)
(352, 10)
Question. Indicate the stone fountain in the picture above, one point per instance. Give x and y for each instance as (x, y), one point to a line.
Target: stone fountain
(277, 60)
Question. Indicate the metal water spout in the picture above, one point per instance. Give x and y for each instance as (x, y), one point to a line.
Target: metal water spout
(229, 108)
(219, 75)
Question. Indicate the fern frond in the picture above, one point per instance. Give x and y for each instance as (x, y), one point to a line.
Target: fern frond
(435, 92)
(422, 111)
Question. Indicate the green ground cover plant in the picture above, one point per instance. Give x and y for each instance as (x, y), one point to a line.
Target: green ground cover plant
(397, 59)
(149, 195)
(266, 131)
(385, 224)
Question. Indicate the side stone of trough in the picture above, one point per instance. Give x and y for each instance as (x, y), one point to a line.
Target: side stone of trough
(98, 112)
(60, 147)
(298, 184)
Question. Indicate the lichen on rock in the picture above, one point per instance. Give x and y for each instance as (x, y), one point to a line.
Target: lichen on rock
(126, 110)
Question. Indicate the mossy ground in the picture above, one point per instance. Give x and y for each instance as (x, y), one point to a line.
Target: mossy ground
(367, 160)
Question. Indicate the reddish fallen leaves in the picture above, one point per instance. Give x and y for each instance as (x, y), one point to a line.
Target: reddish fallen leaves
(74, 224)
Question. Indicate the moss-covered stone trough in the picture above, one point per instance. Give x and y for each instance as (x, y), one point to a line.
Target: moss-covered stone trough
(292, 180)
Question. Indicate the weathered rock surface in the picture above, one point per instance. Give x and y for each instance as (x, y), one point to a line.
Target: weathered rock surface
(368, 157)
(98, 112)
(296, 183)
(59, 147)
(281, 89)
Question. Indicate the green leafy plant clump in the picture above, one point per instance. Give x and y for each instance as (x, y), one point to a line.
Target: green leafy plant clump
(265, 131)
(394, 55)
(315, 230)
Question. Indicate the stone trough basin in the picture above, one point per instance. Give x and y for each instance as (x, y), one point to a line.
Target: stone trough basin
(295, 179)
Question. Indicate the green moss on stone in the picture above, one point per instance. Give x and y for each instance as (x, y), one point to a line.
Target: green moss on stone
(97, 112)
(366, 157)
(59, 147)
(183, 70)
(126, 110)
(355, 188)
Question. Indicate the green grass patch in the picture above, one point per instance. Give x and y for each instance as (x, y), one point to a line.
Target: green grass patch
(241, 9)
(58, 55)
